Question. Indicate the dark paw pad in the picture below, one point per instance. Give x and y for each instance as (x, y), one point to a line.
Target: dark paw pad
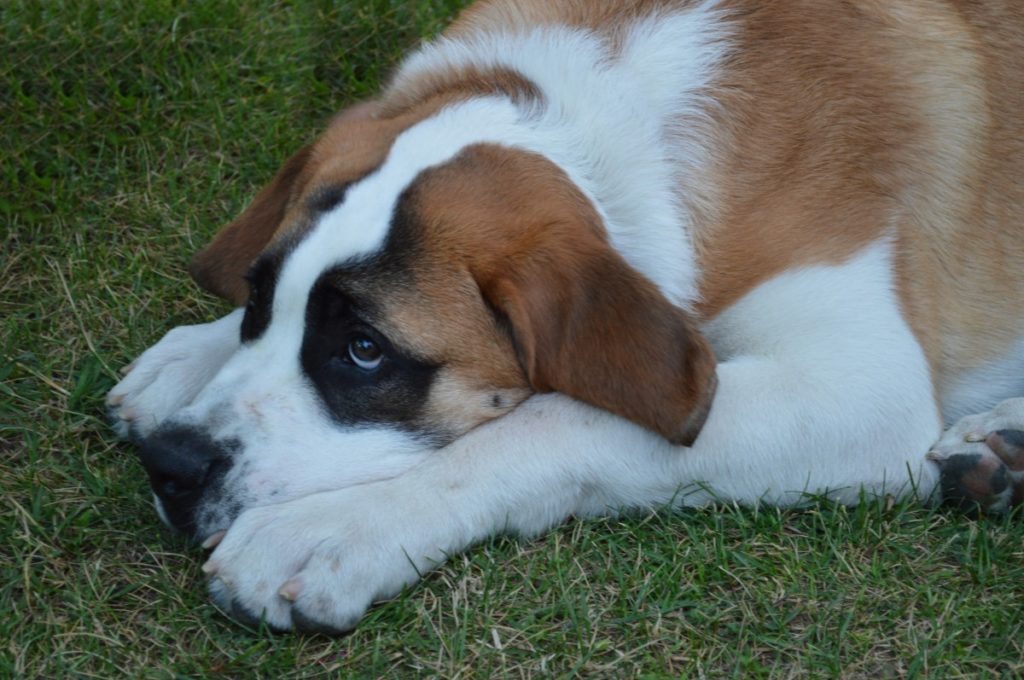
(243, 615)
(975, 481)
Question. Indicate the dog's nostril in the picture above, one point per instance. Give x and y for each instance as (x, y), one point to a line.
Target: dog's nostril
(170, 488)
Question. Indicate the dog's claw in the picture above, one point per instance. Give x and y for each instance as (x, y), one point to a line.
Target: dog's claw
(214, 539)
(290, 590)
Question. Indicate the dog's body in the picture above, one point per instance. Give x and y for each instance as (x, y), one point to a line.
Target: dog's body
(790, 228)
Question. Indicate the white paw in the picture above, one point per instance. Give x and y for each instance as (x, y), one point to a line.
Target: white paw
(317, 563)
(170, 374)
(981, 458)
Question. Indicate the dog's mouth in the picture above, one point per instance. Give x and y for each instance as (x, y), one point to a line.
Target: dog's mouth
(186, 470)
(201, 522)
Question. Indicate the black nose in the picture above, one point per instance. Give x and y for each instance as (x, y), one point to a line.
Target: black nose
(181, 462)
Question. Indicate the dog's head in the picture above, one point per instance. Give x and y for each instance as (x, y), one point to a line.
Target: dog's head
(406, 278)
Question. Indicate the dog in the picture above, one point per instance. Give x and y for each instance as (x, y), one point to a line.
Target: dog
(578, 258)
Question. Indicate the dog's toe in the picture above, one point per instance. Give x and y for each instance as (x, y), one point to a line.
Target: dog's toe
(1009, 446)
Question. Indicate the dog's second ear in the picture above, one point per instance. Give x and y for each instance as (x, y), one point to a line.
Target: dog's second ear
(220, 267)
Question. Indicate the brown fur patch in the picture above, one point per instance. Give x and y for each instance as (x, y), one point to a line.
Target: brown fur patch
(962, 274)
(355, 143)
(438, 314)
(584, 322)
(836, 124)
(840, 123)
(455, 405)
(404, 93)
(220, 266)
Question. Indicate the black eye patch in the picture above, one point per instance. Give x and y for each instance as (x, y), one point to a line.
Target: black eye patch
(262, 278)
(394, 392)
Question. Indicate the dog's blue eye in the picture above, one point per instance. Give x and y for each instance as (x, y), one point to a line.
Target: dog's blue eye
(365, 353)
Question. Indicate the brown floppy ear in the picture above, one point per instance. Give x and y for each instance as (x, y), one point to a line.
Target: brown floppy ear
(220, 267)
(590, 326)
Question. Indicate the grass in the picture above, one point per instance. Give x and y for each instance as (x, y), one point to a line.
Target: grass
(132, 131)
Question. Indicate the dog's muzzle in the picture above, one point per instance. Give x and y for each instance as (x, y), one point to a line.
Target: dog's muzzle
(183, 463)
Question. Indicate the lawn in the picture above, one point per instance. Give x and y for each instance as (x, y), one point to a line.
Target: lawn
(132, 130)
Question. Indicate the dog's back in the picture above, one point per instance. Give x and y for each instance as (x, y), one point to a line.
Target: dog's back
(841, 123)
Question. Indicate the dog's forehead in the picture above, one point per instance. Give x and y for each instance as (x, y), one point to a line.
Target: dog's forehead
(356, 227)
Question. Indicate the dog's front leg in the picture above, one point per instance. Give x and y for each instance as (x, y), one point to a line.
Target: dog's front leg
(317, 563)
(818, 394)
(168, 375)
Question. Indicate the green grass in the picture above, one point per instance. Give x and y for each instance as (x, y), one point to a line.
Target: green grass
(130, 131)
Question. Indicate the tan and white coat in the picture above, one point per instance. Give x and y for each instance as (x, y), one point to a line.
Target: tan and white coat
(616, 255)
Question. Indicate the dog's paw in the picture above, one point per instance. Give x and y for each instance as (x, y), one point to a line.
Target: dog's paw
(981, 459)
(317, 563)
(168, 375)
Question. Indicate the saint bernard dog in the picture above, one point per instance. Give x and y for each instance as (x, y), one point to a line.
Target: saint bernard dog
(584, 257)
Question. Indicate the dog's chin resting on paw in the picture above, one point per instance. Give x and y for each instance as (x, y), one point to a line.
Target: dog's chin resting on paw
(584, 258)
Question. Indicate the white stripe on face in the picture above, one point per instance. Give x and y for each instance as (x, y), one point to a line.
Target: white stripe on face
(358, 226)
(599, 121)
(589, 100)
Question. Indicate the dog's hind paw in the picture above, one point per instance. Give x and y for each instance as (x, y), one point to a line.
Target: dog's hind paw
(981, 459)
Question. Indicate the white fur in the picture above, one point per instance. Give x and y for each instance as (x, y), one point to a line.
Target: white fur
(641, 109)
(171, 373)
(978, 389)
(289, 446)
(823, 388)
(806, 405)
